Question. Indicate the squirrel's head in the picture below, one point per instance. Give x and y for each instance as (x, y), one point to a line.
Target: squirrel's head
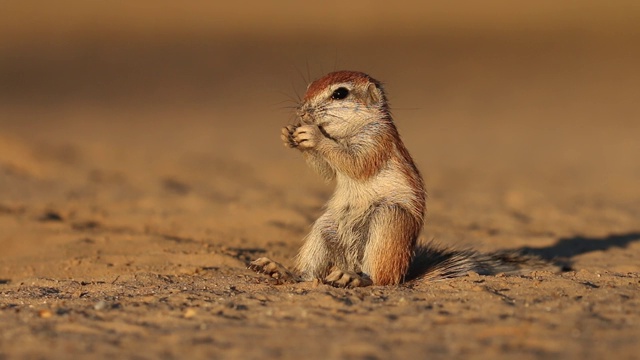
(342, 102)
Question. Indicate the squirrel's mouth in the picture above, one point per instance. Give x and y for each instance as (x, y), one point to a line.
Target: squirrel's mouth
(306, 115)
(312, 121)
(307, 118)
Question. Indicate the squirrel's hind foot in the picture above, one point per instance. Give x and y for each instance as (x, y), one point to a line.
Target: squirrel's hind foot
(277, 271)
(339, 278)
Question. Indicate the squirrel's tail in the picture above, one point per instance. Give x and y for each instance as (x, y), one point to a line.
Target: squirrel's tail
(435, 263)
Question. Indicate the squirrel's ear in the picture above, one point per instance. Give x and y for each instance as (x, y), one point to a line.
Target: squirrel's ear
(374, 95)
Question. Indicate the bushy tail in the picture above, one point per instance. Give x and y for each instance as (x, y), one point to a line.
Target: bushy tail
(432, 263)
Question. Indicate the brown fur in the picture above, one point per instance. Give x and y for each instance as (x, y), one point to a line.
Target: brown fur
(337, 77)
(388, 253)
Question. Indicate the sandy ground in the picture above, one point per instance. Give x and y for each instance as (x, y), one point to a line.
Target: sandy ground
(138, 178)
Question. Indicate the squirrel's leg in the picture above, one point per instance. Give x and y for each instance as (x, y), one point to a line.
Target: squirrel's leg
(392, 236)
(314, 258)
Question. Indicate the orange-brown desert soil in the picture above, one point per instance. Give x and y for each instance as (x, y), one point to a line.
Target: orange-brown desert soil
(138, 177)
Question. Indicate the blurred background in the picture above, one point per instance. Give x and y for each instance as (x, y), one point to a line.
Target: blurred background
(151, 53)
(530, 106)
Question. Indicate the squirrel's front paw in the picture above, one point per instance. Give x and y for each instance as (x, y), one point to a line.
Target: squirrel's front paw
(307, 136)
(287, 136)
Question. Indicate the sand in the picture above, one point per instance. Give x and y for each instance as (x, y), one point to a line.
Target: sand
(139, 177)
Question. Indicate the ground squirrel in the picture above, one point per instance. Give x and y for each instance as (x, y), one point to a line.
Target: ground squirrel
(368, 233)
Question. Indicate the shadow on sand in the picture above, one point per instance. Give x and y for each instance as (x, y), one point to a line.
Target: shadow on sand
(562, 252)
(435, 262)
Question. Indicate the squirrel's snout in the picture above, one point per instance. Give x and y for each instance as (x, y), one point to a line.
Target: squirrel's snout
(305, 114)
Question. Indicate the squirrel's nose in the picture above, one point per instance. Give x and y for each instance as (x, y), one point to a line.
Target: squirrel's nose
(305, 113)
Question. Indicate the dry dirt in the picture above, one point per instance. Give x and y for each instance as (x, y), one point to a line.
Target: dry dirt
(138, 178)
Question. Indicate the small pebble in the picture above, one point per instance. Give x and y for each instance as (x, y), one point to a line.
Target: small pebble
(100, 305)
(473, 274)
(189, 313)
(45, 313)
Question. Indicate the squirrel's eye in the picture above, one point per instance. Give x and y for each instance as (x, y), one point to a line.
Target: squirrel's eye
(340, 93)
